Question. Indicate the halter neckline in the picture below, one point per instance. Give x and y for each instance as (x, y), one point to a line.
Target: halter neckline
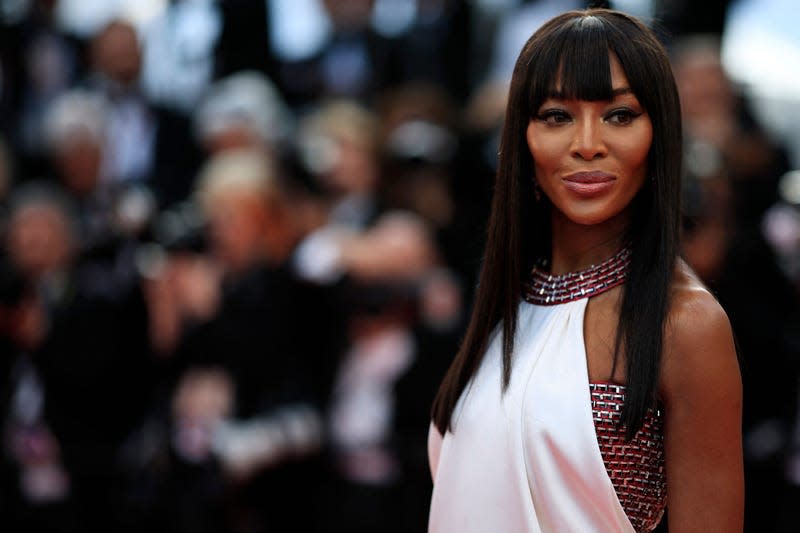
(544, 288)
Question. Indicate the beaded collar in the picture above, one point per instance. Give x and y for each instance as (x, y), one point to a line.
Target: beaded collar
(544, 288)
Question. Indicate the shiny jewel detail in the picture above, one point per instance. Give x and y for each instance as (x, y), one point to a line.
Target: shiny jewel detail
(544, 288)
(636, 467)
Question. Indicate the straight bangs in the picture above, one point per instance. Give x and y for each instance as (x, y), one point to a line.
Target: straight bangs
(575, 66)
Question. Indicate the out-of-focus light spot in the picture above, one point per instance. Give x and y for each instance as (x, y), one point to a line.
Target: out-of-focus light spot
(298, 28)
(761, 51)
(141, 12)
(789, 187)
(392, 18)
(643, 9)
(12, 11)
(84, 18)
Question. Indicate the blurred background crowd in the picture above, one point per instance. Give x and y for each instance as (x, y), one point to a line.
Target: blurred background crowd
(240, 239)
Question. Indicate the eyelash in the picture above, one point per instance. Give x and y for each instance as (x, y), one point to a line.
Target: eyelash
(548, 114)
(561, 116)
(628, 114)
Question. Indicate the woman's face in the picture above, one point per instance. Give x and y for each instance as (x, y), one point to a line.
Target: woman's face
(590, 157)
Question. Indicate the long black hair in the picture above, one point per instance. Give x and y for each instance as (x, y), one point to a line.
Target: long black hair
(573, 49)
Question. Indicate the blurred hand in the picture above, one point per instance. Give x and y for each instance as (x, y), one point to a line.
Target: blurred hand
(38, 454)
(202, 400)
(31, 323)
(197, 285)
(398, 247)
(204, 393)
(441, 304)
(245, 448)
(163, 313)
(183, 287)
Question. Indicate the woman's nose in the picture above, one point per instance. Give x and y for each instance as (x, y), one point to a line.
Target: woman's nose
(588, 143)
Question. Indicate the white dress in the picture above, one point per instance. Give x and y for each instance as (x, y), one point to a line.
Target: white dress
(527, 459)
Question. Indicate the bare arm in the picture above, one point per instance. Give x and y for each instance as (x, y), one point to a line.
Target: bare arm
(702, 390)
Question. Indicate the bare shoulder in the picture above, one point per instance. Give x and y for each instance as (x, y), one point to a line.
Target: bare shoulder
(701, 388)
(699, 349)
(694, 313)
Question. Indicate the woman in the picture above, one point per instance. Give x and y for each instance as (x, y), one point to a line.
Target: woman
(597, 373)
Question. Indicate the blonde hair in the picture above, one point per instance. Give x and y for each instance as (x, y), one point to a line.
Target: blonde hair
(244, 171)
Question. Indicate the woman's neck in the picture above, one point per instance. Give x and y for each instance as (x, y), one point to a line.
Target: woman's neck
(576, 246)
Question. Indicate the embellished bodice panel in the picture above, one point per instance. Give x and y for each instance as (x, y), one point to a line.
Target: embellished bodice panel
(636, 467)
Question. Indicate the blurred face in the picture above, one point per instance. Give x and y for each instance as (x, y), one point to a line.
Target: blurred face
(353, 170)
(590, 157)
(703, 86)
(116, 53)
(708, 101)
(78, 163)
(39, 241)
(236, 226)
(349, 14)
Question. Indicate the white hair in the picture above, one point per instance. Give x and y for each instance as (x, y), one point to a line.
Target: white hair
(77, 112)
(245, 99)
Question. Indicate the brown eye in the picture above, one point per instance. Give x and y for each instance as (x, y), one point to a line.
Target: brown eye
(622, 117)
(554, 117)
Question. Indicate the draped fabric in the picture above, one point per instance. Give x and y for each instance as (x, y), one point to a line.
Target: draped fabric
(527, 459)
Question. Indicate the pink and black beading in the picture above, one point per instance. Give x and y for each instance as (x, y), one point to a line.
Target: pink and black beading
(544, 288)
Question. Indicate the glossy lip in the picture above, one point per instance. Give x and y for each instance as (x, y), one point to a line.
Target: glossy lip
(589, 183)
